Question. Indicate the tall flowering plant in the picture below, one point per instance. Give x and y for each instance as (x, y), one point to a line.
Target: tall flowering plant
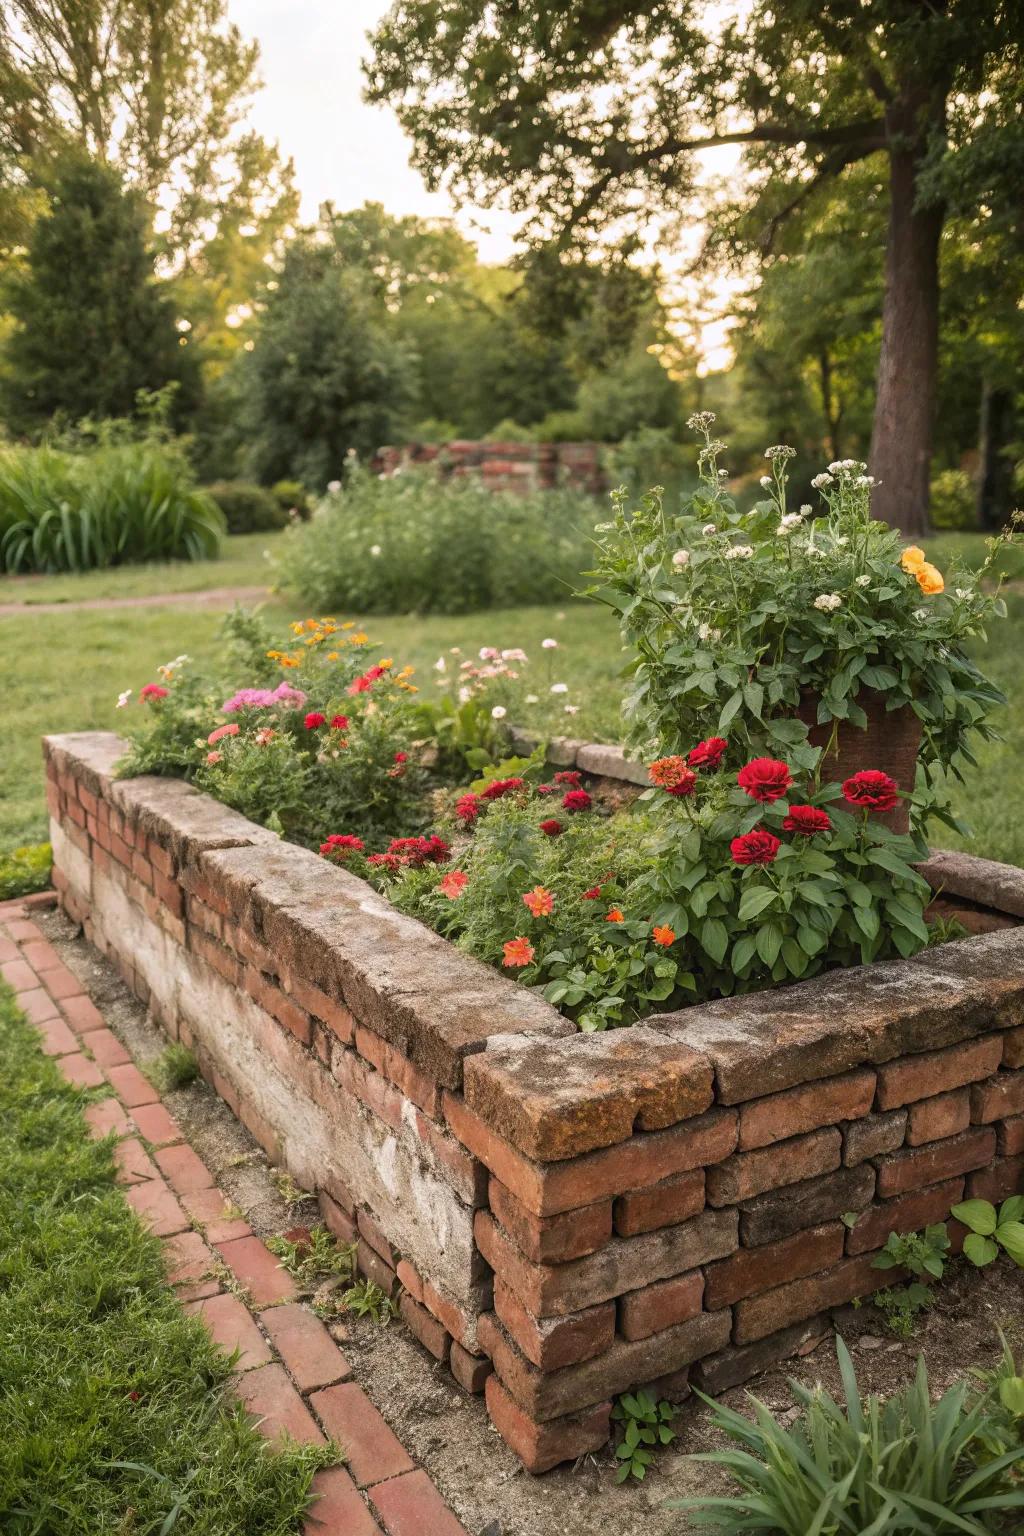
(744, 621)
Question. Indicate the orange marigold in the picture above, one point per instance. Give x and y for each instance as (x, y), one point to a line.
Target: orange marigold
(539, 901)
(667, 772)
(929, 579)
(614, 916)
(517, 952)
(663, 936)
(453, 884)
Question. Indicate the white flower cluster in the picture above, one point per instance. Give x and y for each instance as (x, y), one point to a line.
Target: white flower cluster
(700, 421)
(822, 482)
(739, 552)
(705, 633)
(708, 530)
(789, 522)
(780, 451)
(765, 481)
(681, 558)
(828, 602)
(864, 581)
(846, 467)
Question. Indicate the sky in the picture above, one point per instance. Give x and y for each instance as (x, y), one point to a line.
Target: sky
(349, 153)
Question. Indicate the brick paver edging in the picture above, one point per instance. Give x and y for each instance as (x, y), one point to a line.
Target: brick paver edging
(290, 1373)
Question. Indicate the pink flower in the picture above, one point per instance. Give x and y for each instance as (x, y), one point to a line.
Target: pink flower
(214, 757)
(221, 732)
(264, 698)
(152, 691)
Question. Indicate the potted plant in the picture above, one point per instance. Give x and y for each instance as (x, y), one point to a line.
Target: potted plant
(809, 631)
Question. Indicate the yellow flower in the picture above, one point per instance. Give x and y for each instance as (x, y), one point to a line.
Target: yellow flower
(296, 627)
(333, 655)
(360, 639)
(386, 661)
(912, 559)
(349, 624)
(929, 579)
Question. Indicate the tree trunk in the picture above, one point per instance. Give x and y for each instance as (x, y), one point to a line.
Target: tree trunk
(995, 467)
(901, 439)
(832, 412)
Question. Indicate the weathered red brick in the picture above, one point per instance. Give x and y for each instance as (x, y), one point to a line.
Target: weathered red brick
(459, 1323)
(337, 1221)
(664, 1205)
(56, 1039)
(433, 1335)
(155, 1125)
(465, 1173)
(751, 1270)
(778, 1214)
(41, 956)
(470, 1371)
(736, 1364)
(908, 1214)
(1000, 1097)
(372, 1451)
(130, 1086)
(1003, 1179)
(187, 1258)
(553, 1342)
(1010, 1136)
(154, 1204)
(935, 1119)
(257, 1270)
(104, 1047)
(307, 1349)
(79, 1070)
(208, 1208)
(542, 1446)
(267, 1393)
(1013, 1047)
(624, 1264)
(747, 1174)
(338, 1509)
(410, 1505)
(373, 1267)
(548, 1189)
(797, 1110)
(661, 1305)
(373, 1233)
(107, 1116)
(19, 975)
(409, 1279)
(183, 1169)
(757, 1316)
(552, 1239)
(932, 1072)
(82, 1014)
(917, 1167)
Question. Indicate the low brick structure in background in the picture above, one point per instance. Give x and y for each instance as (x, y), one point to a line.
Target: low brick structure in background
(563, 1216)
(504, 466)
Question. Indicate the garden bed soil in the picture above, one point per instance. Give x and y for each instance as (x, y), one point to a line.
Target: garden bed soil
(448, 1430)
(670, 1205)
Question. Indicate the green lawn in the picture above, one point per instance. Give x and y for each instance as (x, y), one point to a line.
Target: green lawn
(243, 563)
(63, 672)
(111, 1399)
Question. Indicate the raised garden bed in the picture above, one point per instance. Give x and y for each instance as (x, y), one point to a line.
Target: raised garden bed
(568, 1215)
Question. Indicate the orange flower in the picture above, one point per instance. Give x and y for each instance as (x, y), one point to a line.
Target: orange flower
(912, 559)
(663, 936)
(539, 901)
(453, 884)
(929, 579)
(614, 916)
(517, 952)
(667, 771)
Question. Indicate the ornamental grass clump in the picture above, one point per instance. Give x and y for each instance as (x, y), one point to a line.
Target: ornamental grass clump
(761, 625)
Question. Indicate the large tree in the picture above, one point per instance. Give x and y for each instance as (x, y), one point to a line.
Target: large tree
(91, 325)
(590, 117)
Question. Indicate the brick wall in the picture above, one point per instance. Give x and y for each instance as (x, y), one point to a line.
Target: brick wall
(564, 1216)
(504, 466)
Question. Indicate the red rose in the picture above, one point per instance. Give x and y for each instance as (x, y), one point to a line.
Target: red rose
(551, 827)
(577, 800)
(339, 722)
(467, 808)
(314, 720)
(807, 819)
(499, 787)
(757, 847)
(764, 778)
(871, 790)
(684, 785)
(152, 691)
(417, 851)
(569, 776)
(707, 754)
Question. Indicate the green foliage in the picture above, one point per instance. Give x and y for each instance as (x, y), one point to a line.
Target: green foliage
(24, 870)
(953, 500)
(991, 1230)
(292, 498)
(313, 1256)
(91, 325)
(647, 1424)
(175, 1067)
(247, 508)
(414, 543)
(117, 1412)
(109, 505)
(906, 1466)
(901, 1306)
(745, 617)
(922, 1253)
(328, 374)
(367, 1299)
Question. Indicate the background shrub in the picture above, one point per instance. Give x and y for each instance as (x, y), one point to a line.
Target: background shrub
(108, 505)
(413, 543)
(247, 507)
(292, 496)
(953, 500)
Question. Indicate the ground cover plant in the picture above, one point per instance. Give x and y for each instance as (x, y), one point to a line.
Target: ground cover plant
(112, 1400)
(413, 543)
(110, 504)
(902, 1466)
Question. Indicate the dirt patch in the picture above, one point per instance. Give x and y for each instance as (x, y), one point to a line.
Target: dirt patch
(449, 1432)
(213, 597)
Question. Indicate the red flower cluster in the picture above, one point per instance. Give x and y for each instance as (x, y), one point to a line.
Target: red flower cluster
(708, 754)
(499, 787)
(340, 844)
(871, 790)
(365, 683)
(551, 827)
(577, 800)
(467, 808)
(339, 722)
(545, 789)
(152, 691)
(569, 776)
(757, 847)
(416, 851)
(807, 819)
(765, 779)
(314, 720)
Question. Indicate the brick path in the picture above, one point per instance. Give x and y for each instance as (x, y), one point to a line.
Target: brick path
(290, 1373)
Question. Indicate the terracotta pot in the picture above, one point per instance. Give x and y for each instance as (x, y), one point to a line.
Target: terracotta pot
(891, 742)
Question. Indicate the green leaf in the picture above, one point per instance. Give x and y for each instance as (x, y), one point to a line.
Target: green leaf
(755, 900)
(714, 936)
(1011, 1395)
(729, 710)
(1011, 1235)
(1012, 1209)
(980, 1250)
(769, 942)
(979, 1215)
